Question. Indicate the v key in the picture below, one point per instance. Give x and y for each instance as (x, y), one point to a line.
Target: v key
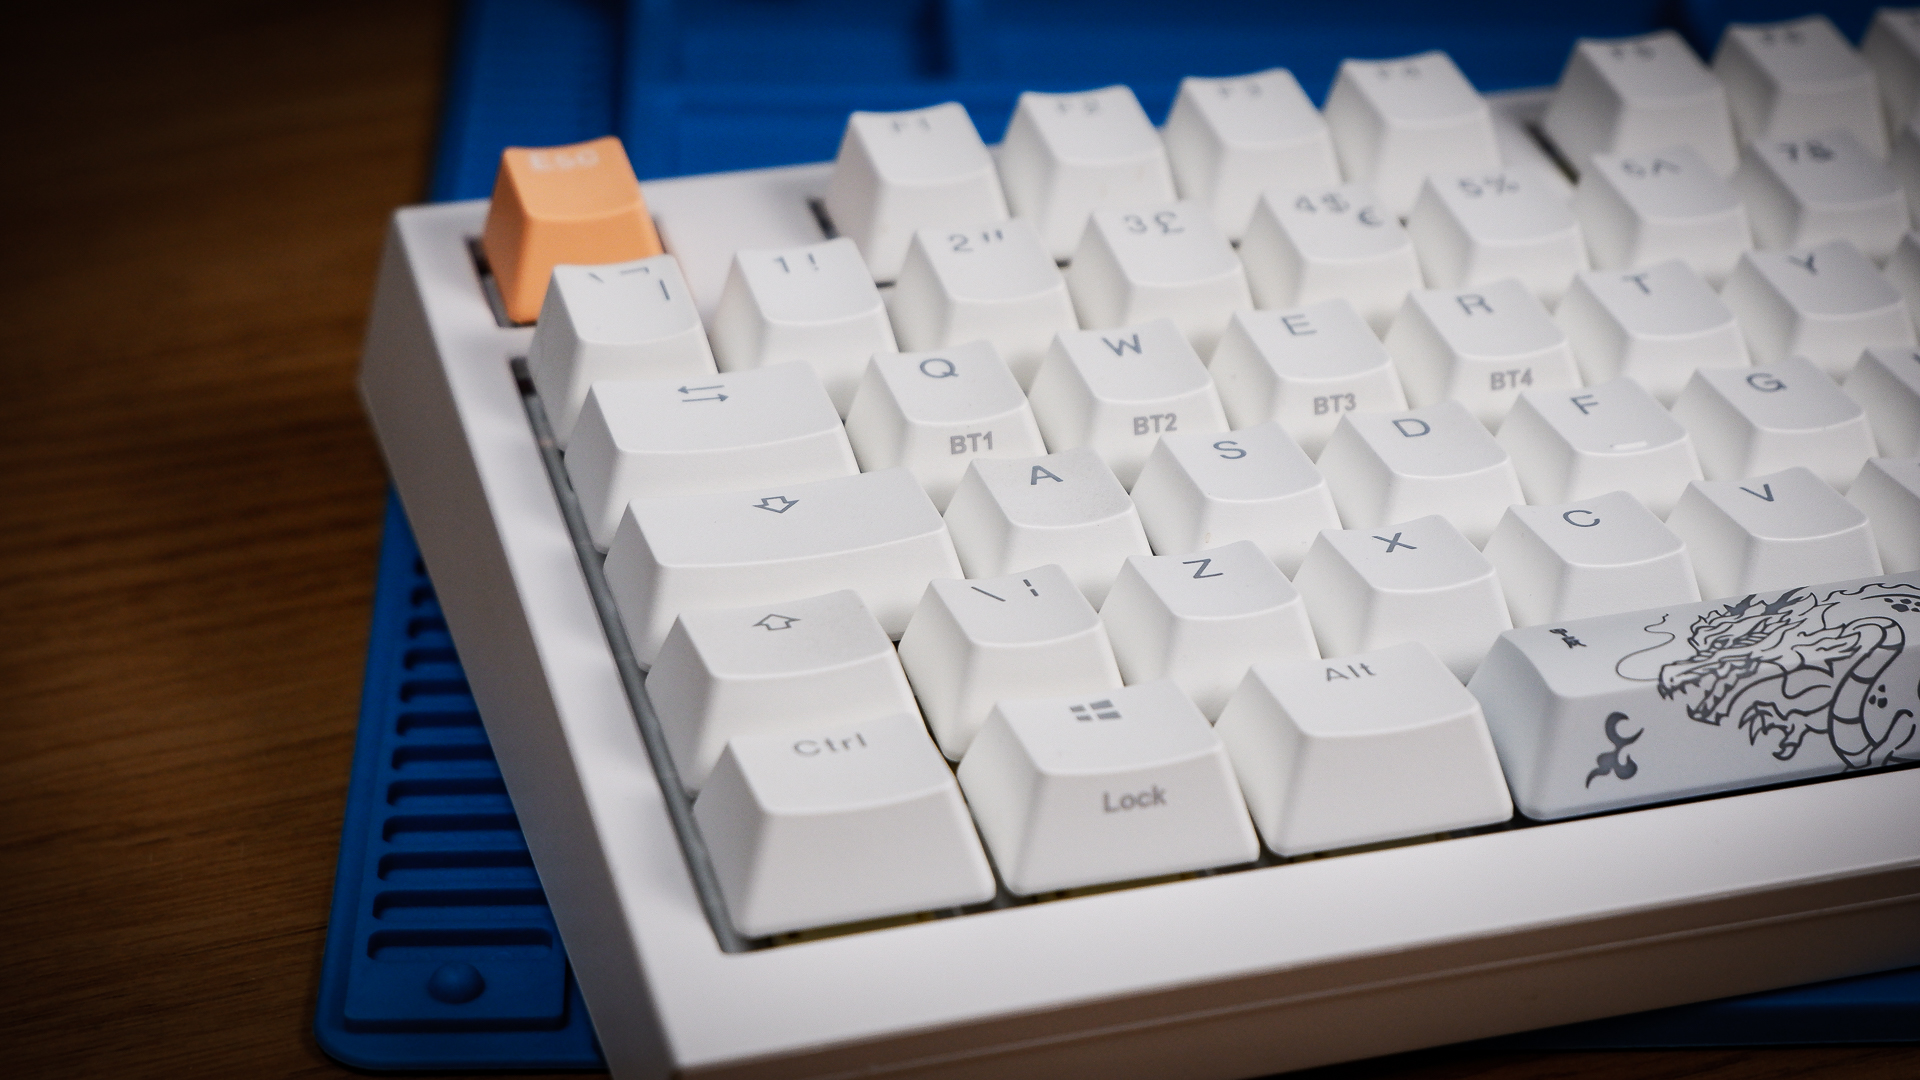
(1767, 489)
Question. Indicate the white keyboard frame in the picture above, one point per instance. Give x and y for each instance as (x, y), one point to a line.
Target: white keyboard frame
(1234, 975)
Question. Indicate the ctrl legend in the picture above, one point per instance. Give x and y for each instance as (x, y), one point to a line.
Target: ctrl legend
(816, 747)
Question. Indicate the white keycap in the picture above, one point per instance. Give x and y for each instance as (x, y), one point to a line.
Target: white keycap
(1903, 271)
(1892, 49)
(1363, 749)
(1794, 78)
(1417, 580)
(1201, 618)
(995, 283)
(1395, 121)
(1199, 491)
(1805, 191)
(1119, 390)
(1306, 246)
(1438, 460)
(1028, 634)
(839, 824)
(1655, 325)
(1067, 155)
(1594, 556)
(815, 304)
(1905, 164)
(898, 172)
(775, 669)
(1645, 208)
(1476, 228)
(1696, 699)
(1888, 492)
(1065, 508)
(1079, 791)
(1745, 423)
(1635, 94)
(1229, 138)
(1480, 346)
(1825, 303)
(1157, 261)
(1306, 368)
(632, 320)
(1772, 532)
(1886, 383)
(1515, 119)
(727, 432)
(1609, 437)
(934, 412)
(875, 533)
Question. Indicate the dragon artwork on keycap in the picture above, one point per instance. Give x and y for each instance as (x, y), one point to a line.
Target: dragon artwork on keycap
(1798, 665)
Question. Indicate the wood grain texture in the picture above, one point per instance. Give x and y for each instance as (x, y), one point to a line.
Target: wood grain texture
(192, 500)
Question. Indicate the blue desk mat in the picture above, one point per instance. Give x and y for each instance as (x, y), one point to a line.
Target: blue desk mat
(441, 952)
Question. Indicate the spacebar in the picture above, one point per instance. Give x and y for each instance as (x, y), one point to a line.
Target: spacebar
(875, 533)
(1648, 706)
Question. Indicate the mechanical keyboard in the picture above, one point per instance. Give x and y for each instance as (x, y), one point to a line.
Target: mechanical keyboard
(1234, 493)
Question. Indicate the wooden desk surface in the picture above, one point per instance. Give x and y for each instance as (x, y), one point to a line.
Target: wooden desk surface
(192, 503)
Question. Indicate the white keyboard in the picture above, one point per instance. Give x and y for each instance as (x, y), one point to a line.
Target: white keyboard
(1284, 587)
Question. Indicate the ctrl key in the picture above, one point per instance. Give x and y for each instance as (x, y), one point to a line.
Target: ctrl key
(1367, 748)
(811, 828)
(1113, 786)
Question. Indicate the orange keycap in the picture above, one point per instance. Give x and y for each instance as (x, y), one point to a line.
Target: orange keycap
(576, 204)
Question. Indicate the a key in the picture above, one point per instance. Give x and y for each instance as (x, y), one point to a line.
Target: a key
(1905, 164)
(1306, 368)
(815, 304)
(1903, 270)
(1793, 78)
(1636, 94)
(1480, 346)
(1826, 303)
(1655, 325)
(836, 824)
(1763, 688)
(1203, 490)
(1669, 203)
(1202, 617)
(1480, 227)
(1155, 261)
(1361, 749)
(1892, 49)
(1065, 508)
(577, 204)
(1067, 155)
(1305, 246)
(1417, 580)
(1229, 138)
(1438, 460)
(1888, 492)
(1805, 191)
(777, 668)
(1772, 532)
(934, 412)
(622, 321)
(898, 172)
(1396, 121)
(1886, 383)
(1612, 436)
(993, 283)
(1119, 390)
(721, 433)
(1028, 634)
(1758, 420)
(1077, 791)
(1593, 556)
(875, 533)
